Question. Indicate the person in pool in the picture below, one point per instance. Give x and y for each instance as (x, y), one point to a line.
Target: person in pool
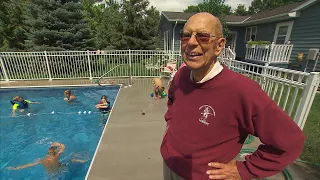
(68, 96)
(104, 104)
(51, 162)
(18, 103)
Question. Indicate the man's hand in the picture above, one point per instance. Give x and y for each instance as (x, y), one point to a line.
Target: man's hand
(224, 171)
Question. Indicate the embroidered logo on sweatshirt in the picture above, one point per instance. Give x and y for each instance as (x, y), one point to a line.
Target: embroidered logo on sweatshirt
(206, 112)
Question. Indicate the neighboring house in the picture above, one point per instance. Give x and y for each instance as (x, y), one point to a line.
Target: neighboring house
(297, 24)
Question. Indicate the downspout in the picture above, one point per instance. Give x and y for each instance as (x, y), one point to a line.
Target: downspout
(173, 34)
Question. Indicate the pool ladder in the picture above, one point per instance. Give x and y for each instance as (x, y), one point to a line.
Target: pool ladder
(130, 78)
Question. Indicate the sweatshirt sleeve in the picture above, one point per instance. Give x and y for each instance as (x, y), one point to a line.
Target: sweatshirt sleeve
(282, 139)
(168, 114)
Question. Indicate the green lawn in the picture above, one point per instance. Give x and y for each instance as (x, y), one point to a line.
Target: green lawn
(311, 129)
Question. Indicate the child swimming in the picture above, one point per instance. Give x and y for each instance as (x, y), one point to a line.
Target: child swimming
(19, 103)
(68, 96)
(104, 105)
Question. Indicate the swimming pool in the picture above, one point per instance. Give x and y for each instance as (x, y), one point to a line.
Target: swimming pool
(23, 138)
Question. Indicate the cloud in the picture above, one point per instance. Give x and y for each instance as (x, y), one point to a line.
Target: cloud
(173, 5)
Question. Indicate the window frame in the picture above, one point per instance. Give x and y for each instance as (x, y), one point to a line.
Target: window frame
(250, 29)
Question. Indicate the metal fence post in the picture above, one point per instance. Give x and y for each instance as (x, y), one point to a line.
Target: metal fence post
(89, 64)
(307, 98)
(271, 49)
(130, 68)
(48, 66)
(264, 74)
(4, 69)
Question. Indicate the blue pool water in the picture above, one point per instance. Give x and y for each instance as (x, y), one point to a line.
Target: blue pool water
(23, 139)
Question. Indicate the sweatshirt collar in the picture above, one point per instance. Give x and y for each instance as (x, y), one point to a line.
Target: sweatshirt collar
(217, 68)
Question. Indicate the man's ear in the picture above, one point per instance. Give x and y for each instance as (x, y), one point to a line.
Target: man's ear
(220, 45)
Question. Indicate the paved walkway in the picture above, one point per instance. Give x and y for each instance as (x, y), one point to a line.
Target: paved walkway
(130, 147)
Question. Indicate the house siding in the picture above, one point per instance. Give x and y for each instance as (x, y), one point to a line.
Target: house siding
(165, 25)
(178, 29)
(240, 44)
(306, 32)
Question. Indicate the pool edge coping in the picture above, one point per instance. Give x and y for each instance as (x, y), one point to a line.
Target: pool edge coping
(63, 85)
(102, 134)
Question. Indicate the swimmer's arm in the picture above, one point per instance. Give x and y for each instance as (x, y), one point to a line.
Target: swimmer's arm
(61, 148)
(31, 102)
(38, 161)
(35, 102)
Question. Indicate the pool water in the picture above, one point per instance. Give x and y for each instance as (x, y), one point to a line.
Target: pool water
(23, 138)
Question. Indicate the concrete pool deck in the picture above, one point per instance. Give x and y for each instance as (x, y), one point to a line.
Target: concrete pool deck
(130, 145)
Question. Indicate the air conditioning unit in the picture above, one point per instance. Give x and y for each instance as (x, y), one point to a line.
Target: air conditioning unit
(312, 54)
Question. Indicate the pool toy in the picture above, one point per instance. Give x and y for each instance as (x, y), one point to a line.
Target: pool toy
(142, 113)
(163, 94)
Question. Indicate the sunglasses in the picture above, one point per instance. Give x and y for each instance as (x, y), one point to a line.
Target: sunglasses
(202, 38)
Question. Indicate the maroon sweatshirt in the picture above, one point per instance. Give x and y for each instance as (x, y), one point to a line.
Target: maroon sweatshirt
(209, 122)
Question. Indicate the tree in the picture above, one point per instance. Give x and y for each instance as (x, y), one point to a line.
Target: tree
(241, 10)
(263, 5)
(12, 28)
(216, 7)
(109, 31)
(57, 25)
(137, 33)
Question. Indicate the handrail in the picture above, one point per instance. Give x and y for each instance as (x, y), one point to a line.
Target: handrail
(108, 72)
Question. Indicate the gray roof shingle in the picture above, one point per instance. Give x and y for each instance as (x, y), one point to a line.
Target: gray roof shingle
(276, 11)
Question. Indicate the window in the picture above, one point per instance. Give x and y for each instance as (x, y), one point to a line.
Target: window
(283, 32)
(251, 33)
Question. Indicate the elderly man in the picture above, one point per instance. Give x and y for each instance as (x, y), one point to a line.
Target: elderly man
(211, 111)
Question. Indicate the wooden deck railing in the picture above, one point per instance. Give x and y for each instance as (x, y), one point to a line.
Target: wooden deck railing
(271, 54)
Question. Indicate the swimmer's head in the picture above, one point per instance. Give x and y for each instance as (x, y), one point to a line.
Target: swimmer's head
(67, 92)
(104, 97)
(52, 151)
(18, 98)
(103, 100)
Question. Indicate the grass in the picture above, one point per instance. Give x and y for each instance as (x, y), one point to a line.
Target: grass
(311, 151)
(97, 70)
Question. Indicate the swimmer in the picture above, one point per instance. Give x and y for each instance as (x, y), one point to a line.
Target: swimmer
(20, 104)
(51, 162)
(158, 89)
(68, 96)
(104, 104)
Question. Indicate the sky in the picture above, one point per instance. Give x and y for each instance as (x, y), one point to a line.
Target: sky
(180, 5)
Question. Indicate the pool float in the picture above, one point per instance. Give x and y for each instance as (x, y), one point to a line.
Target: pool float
(163, 94)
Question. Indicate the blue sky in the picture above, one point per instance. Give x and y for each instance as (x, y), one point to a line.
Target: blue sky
(180, 5)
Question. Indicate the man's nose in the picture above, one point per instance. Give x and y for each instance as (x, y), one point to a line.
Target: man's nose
(193, 40)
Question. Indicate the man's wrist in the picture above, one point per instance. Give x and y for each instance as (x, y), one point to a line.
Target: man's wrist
(243, 170)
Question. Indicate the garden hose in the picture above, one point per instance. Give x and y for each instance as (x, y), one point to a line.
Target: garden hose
(249, 139)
